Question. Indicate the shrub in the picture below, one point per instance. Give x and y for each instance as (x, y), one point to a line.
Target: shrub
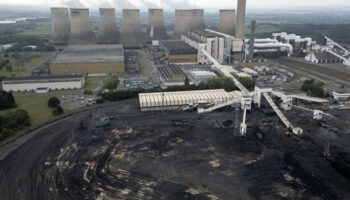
(58, 110)
(112, 83)
(53, 102)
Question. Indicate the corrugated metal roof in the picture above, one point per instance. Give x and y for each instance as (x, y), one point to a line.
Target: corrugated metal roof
(184, 98)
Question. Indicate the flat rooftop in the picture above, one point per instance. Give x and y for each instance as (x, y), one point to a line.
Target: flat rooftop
(178, 47)
(91, 53)
(207, 33)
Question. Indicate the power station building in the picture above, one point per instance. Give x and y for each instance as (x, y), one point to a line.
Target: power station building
(89, 59)
(132, 35)
(227, 22)
(80, 27)
(155, 28)
(178, 52)
(108, 32)
(301, 46)
(60, 26)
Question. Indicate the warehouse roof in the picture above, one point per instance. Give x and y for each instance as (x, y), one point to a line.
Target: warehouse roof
(185, 98)
(177, 47)
(29, 78)
(91, 53)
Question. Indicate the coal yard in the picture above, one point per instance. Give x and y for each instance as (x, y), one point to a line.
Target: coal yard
(177, 155)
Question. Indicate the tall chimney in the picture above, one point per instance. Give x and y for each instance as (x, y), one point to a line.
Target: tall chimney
(241, 6)
(252, 39)
(108, 31)
(155, 27)
(60, 26)
(132, 35)
(227, 22)
(81, 32)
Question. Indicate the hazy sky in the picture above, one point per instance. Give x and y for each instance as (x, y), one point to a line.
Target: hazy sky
(182, 3)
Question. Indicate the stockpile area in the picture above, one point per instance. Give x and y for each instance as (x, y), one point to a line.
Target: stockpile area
(172, 155)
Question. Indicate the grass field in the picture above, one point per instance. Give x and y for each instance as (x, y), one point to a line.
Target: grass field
(26, 68)
(42, 30)
(36, 104)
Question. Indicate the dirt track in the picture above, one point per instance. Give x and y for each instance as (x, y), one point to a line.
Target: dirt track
(145, 156)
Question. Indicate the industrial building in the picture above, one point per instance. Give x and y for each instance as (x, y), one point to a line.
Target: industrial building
(202, 75)
(155, 28)
(177, 51)
(224, 48)
(60, 26)
(80, 27)
(132, 35)
(182, 100)
(136, 83)
(188, 20)
(32, 83)
(227, 22)
(321, 56)
(108, 32)
(89, 59)
(301, 46)
(268, 48)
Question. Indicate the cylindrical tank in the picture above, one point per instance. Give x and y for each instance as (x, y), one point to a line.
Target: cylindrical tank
(241, 6)
(155, 28)
(132, 35)
(197, 19)
(60, 26)
(227, 22)
(183, 22)
(81, 32)
(108, 31)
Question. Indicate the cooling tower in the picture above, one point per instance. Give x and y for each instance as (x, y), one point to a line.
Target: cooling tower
(183, 22)
(60, 26)
(252, 39)
(241, 6)
(108, 31)
(227, 22)
(197, 19)
(132, 35)
(80, 29)
(155, 28)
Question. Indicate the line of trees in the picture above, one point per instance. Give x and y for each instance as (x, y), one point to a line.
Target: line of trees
(12, 122)
(7, 100)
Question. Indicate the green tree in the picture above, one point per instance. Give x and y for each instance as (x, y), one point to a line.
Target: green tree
(9, 68)
(112, 83)
(247, 82)
(53, 102)
(88, 92)
(58, 110)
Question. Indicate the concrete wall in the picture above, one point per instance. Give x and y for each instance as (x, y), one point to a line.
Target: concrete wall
(240, 24)
(197, 20)
(132, 35)
(227, 22)
(87, 68)
(108, 31)
(60, 26)
(81, 32)
(22, 87)
(156, 28)
(183, 21)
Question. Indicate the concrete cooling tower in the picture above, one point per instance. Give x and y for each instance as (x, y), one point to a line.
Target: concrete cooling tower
(156, 28)
(108, 31)
(132, 35)
(241, 6)
(183, 22)
(60, 26)
(80, 29)
(197, 22)
(227, 22)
